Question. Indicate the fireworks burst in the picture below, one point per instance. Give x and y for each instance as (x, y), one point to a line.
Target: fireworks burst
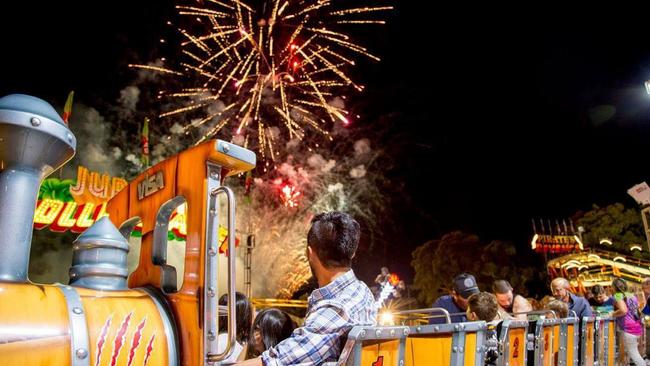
(281, 64)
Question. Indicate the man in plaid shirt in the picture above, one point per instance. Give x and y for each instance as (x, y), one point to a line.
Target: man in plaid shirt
(340, 303)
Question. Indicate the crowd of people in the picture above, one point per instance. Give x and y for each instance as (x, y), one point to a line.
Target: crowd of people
(467, 302)
(341, 302)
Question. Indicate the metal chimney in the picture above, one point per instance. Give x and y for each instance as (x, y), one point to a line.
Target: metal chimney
(34, 142)
(99, 258)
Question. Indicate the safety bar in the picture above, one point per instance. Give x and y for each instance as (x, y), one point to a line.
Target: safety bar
(444, 312)
(211, 312)
(546, 340)
(512, 342)
(351, 354)
(587, 341)
(537, 312)
(466, 337)
(575, 315)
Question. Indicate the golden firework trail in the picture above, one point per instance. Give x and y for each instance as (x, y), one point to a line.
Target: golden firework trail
(277, 64)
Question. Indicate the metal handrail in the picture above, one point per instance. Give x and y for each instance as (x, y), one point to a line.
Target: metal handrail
(536, 312)
(427, 310)
(232, 326)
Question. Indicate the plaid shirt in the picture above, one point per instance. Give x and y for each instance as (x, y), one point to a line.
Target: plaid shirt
(333, 310)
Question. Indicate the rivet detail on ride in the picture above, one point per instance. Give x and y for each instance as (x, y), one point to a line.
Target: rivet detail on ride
(35, 121)
(81, 353)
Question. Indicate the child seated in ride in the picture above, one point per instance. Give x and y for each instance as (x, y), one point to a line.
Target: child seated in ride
(560, 309)
(484, 306)
(271, 327)
(244, 321)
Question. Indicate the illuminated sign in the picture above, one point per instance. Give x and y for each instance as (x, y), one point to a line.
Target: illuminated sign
(542, 243)
(76, 211)
(62, 216)
(150, 185)
(95, 187)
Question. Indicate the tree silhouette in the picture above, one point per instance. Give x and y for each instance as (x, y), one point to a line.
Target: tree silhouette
(437, 262)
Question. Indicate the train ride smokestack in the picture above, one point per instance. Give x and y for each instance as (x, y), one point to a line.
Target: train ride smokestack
(34, 142)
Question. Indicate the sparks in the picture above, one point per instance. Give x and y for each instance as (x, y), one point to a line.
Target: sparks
(289, 196)
(265, 63)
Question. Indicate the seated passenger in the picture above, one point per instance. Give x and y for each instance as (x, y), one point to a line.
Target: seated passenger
(244, 322)
(560, 309)
(484, 306)
(341, 302)
(508, 302)
(601, 302)
(271, 327)
(579, 305)
(464, 286)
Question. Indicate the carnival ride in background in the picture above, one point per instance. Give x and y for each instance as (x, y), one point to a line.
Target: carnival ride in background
(585, 265)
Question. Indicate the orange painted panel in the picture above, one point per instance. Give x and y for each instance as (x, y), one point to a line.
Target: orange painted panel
(571, 329)
(118, 207)
(380, 353)
(611, 345)
(470, 348)
(431, 350)
(547, 352)
(589, 347)
(124, 328)
(34, 325)
(556, 344)
(517, 347)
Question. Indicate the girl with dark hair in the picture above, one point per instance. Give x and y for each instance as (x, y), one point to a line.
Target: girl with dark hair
(271, 327)
(244, 321)
(628, 320)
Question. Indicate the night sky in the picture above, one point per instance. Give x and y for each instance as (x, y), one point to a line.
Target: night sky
(500, 115)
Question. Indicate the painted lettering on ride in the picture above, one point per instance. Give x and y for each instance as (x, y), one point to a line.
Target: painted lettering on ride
(515, 346)
(150, 185)
(379, 361)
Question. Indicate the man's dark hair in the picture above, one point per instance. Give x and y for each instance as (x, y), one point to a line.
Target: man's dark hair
(597, 290)
(335, 237)
(484, 305)
(501, 287)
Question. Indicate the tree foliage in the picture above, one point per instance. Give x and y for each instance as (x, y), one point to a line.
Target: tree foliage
(622, 226)
(437, 262)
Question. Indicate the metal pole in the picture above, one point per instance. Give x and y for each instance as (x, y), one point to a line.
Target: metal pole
(248, 262)
(18, 193)
(645, 211)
